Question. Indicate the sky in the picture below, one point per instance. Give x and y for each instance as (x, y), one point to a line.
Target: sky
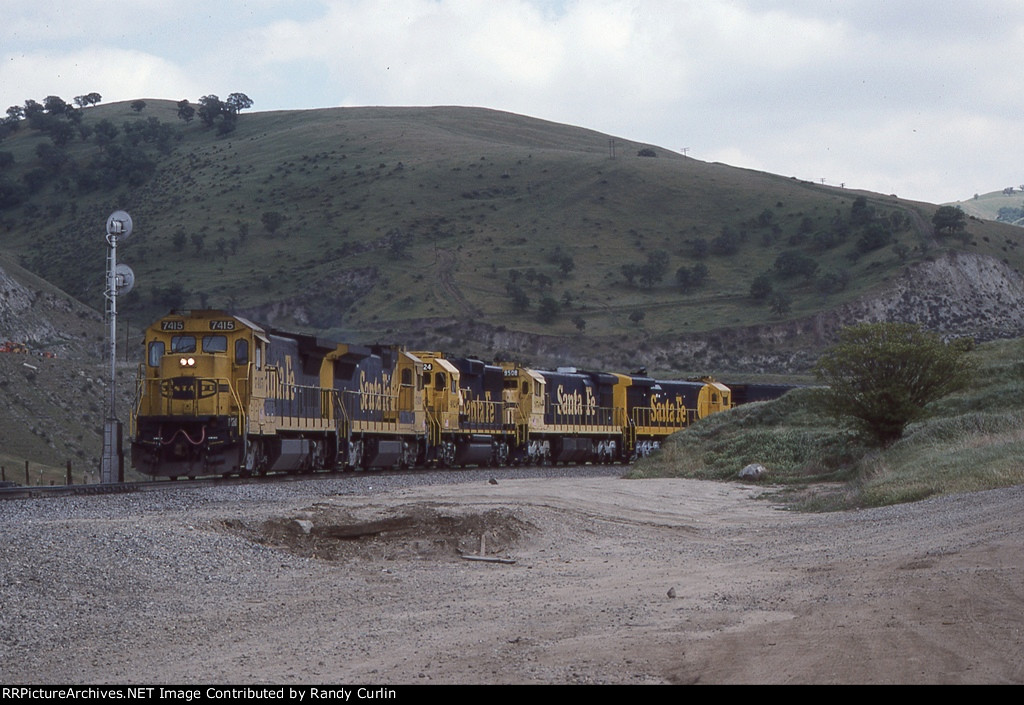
(920, 98)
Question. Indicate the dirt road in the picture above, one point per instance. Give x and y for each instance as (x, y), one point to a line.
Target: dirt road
(613, 581)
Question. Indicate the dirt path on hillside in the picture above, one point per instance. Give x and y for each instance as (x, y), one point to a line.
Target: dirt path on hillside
(609, 581)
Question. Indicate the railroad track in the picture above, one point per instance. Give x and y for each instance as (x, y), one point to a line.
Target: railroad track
(34, 492)
(42, 491)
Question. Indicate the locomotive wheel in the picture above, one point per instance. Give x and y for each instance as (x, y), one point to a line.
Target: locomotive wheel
(256, 459)
(446, 455)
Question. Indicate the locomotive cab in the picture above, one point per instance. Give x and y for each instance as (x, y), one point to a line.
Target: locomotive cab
(189, 415)
(714, 397)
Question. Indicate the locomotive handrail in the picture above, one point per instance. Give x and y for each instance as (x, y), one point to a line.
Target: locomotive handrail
(518, 421)
(435, 428)
(644, 418)
(301, 405)
(372, 411)
(607, 418)
(140, 377)
(342, 422)
(236, 389)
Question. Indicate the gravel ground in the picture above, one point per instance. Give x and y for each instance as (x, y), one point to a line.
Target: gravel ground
(359, 579)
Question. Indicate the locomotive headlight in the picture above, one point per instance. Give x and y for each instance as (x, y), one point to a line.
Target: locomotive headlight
(187, 362)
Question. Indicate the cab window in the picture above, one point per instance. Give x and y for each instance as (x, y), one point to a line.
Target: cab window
(439, 382)
(241, 351)
(183, 344)
(156, 351)
(215, 343)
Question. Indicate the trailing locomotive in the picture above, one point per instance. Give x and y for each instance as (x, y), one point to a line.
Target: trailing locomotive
(219, 395)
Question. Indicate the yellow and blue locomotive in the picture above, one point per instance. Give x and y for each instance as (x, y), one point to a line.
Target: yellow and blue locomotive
(218, 394)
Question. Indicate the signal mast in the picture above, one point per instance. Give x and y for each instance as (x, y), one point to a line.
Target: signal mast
(120, 280)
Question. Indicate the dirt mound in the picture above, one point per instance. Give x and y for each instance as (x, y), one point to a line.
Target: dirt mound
(419, 531)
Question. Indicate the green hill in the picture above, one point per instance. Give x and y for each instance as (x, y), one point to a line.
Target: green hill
(1006, 206)
(463, 228)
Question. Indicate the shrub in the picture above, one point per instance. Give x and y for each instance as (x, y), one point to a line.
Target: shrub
(882, 375)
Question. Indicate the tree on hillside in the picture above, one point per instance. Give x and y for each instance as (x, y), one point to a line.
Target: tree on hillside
(690, 278)
(55, 105)
(655, 268)
(548, 310)
(520, 299)
(860, 212)
(61, 133)
(88, 99)
(210, 108)
(185, 111)
(883, 375)
(949, 218)
(727, 243)
(237, 102)
(793, 263)
(214, 111)
(761, 288)
(272, 220)
(35, 114)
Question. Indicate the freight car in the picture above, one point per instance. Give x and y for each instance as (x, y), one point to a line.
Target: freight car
(218, 394)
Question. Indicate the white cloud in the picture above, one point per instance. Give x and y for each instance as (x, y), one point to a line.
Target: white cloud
(116, 74)
(917, 97)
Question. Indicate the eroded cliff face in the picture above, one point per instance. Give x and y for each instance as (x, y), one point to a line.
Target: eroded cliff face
(35, 313)
(958, 294)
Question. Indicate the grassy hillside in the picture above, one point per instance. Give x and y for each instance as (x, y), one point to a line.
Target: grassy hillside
(1004, 206)
(971, 441)
(397, 223)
